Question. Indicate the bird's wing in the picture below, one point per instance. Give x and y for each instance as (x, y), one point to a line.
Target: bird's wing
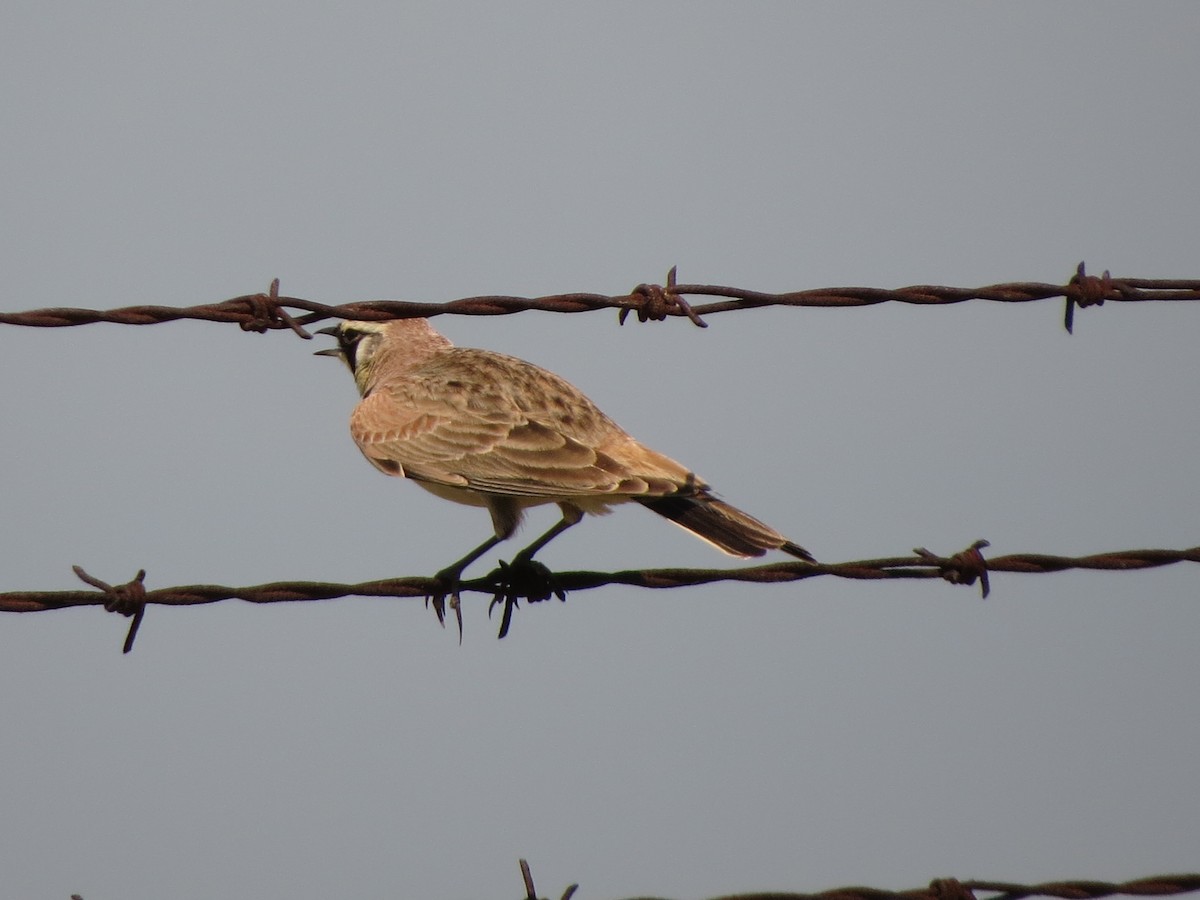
(521, 441)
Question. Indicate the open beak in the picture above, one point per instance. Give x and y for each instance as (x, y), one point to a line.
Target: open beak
(332, 351)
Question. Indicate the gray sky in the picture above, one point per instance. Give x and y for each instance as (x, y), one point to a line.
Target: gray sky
(681, 743)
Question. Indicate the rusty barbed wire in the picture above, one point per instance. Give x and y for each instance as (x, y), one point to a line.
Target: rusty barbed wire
(949, 889)
(651, 302)
(507, 585)
(954, 889)
(128, 599)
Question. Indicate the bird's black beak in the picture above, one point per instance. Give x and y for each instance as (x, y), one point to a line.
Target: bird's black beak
(332, 330)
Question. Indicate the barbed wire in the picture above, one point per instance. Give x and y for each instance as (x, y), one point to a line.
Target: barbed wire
(261, 312)
(508, 585)
(953, 889)
(651, 302)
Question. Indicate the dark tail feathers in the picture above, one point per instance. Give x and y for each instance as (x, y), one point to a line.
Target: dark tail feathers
(724, 526)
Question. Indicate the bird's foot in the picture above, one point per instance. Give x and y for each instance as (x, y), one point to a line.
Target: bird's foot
(446, 586)
(523, 577)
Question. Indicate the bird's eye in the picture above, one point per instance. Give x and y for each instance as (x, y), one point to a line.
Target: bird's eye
(347, 342)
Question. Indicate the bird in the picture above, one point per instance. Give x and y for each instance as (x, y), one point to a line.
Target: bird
(490, 430)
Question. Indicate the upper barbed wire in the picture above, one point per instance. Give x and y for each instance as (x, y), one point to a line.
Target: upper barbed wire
(271, 311)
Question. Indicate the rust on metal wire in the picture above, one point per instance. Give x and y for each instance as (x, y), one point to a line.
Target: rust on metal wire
(1088, 291)
(266, 312)
(954, 889)
(660, 301)
(963, 568)
(270, 311)
(1154, 886)
(128, 599)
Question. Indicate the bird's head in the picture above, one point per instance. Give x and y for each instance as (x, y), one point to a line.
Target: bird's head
(376, 350)
(357, 345)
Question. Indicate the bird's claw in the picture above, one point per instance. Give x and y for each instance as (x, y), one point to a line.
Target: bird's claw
(446, 586)
(523, 577)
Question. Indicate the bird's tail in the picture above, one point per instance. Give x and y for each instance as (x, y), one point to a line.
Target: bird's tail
(725, 527)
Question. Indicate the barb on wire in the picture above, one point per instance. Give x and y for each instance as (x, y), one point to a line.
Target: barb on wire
(266, 311)
(128, 599)
(953, 889)
(961, 568)
(269, 311)
(659, 301)
(531, 892)
(1090, 291)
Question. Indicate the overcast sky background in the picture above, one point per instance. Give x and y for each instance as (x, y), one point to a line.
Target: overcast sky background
(677, 743)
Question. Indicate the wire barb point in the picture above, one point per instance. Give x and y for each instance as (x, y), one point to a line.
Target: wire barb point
(128, 599)
(1084, 290)
(531, 893)
(655, 302)
(964, 567)
(265, 312)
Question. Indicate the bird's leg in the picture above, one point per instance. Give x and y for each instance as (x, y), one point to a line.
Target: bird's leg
(571, 516)
(529, 579)
(448, 581)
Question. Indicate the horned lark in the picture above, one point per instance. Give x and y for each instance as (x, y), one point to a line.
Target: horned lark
(491, 430)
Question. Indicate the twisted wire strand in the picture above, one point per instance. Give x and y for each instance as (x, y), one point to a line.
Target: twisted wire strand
(267, 311)
(953, 889)
(950, 568)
